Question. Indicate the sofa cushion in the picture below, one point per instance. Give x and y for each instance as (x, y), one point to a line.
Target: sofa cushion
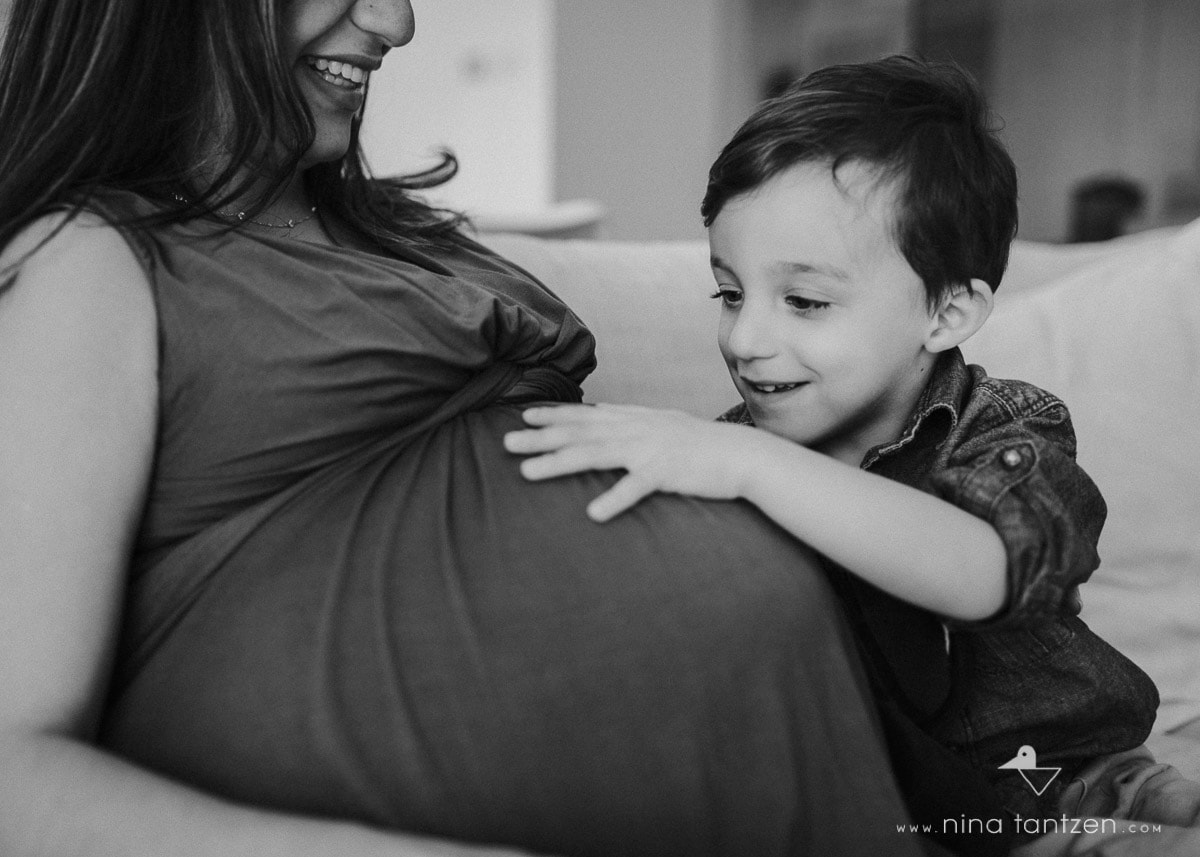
(1119, 341)
(1034, 263)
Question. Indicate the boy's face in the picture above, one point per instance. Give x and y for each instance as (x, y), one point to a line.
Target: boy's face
(824, 324)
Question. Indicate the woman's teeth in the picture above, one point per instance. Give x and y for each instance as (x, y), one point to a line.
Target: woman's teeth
(339, 73)
(774, 388)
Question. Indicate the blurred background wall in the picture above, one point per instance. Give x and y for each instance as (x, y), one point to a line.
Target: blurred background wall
(478, 78)
(1093, 87)
(602, 118)
(625, 103)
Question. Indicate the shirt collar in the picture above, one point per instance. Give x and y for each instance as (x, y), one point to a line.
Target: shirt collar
(944, 394)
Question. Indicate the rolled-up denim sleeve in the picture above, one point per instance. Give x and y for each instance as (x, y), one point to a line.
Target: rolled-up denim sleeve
(1016, 469)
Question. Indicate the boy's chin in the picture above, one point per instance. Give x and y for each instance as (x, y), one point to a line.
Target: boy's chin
(779, 425)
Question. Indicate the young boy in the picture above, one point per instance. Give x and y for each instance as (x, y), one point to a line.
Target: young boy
(859, 225)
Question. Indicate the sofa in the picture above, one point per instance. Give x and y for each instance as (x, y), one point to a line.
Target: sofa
(1113, 328)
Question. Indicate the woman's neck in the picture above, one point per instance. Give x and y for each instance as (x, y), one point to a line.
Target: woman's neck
(293, 203)
(291, 213)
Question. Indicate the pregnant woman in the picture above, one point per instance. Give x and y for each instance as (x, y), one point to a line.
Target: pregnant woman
(270, 583)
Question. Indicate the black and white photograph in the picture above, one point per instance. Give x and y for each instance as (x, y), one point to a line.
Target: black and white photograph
(644, 428)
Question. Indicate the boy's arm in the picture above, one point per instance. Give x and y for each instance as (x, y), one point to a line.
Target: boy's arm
(1015, 467)
(911, 544)
(1010, 461)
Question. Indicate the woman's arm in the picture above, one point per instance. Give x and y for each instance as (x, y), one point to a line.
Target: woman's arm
(911, 544)
(78, 365)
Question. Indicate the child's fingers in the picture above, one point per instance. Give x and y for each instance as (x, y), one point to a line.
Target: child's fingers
(551, 438)
(545, 416)
(527, 441)
(576, 424)
(571, 459)
(626, 494)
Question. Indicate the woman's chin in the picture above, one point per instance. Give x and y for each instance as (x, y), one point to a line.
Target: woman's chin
(325, 150)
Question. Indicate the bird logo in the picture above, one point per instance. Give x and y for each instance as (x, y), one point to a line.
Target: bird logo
(1025, 764)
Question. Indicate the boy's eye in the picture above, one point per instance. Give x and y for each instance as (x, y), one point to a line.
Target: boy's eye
(806, 305)
(727, 296)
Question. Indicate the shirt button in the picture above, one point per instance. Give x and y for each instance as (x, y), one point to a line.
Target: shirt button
(1011, 459)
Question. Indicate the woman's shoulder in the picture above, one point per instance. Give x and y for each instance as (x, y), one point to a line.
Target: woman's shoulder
(78, 270)
(71, 249)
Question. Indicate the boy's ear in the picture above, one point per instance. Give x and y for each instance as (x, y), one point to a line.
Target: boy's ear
(962, 313)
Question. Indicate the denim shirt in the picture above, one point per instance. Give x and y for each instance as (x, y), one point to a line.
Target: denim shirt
(1033, 673)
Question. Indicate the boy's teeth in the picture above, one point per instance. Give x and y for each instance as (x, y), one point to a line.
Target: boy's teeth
(775, 388)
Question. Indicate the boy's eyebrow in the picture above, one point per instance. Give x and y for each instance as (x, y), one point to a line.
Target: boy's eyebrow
(790, 268)
(807, 268)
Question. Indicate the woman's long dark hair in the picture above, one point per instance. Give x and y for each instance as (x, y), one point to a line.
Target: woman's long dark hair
(98, 94)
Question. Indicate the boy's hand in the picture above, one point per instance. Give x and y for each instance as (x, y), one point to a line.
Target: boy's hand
(669, 451)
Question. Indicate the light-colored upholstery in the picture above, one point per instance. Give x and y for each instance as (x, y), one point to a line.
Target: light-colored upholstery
(1111, 328)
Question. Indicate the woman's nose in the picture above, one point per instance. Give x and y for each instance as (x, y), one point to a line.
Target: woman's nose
(390, 20)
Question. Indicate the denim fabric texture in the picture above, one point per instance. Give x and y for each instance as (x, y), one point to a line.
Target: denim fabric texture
(1034, 674)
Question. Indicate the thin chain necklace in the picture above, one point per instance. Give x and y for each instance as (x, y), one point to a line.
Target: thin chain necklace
(291, 223)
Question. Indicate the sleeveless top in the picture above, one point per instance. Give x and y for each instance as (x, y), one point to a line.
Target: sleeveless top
(346, 602)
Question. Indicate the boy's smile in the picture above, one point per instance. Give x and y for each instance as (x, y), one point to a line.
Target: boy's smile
(824, 324)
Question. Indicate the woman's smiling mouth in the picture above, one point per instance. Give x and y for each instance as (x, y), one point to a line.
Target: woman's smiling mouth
(339, 73)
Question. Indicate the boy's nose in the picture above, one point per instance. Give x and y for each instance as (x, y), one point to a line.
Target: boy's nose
(749, 335)
(391, 20)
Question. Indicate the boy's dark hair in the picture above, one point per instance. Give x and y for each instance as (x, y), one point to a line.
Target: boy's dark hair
(924, 126)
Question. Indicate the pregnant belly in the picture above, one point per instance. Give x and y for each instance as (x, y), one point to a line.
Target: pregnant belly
(427, 642)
